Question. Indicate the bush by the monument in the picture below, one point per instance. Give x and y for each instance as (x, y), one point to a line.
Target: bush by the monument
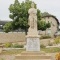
(17, 46)
(51, 49)
(10, 45)
(57, 40)
(42, 46)
(45, 37)
(42, 25)
(50, 44)
(7, 45)
(58, 56)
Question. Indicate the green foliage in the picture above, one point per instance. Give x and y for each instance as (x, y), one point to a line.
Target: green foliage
(50, 44)
(51, 50)
(57, 40)
(19, 15)
(18, 46)
(48, 25)
(42, 25)
(13, 51)
(7, 45)
(45, 14)
(7, 27)
(45, 37)
(42, 46)
(10, 45)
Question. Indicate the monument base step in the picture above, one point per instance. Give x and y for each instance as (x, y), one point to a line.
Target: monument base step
(33, 59)
(33, 53)
(33, 56)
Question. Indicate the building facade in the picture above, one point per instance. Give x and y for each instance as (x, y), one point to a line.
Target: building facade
(54, 25)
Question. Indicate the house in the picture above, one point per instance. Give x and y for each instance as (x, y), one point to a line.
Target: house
(54, 25)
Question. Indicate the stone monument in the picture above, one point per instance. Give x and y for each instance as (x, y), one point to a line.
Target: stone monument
(33, 41)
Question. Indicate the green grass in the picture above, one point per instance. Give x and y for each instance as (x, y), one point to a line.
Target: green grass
(50, 50)
(12, 52)
(47, 50)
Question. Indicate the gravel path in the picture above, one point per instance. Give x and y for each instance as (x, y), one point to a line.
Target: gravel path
(7, 57)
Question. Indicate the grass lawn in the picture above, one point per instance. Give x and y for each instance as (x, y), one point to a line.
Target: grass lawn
(50, 50)
(47, 50)
(8, 52)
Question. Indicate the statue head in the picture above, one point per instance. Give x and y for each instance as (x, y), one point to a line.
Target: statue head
(32, 5)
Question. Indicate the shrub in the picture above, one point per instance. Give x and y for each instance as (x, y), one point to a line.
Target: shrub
(50, 43)
(45, 37)
(57, 40)
(42, 46)
(8, 45)
(18, 46)
(58, 56)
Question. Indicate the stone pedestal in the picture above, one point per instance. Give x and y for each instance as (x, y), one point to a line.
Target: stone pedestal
(32, 40)
(33, 44)
(33, 56)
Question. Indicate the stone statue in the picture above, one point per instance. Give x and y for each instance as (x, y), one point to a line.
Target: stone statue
(32, 21)
(33, 39)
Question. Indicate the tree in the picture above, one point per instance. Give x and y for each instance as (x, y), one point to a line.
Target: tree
(19, 15)
(42, 25)
(48, 25)
(45, 14)
(7, 27)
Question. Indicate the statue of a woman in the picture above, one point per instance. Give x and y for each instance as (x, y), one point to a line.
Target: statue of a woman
(32, 17)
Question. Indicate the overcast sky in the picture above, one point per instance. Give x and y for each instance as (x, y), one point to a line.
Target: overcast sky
(51, 6)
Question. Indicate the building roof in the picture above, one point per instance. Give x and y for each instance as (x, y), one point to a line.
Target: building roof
(3, 22)
(53, 17)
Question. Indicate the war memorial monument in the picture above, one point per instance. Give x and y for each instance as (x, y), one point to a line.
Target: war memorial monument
(32, 40)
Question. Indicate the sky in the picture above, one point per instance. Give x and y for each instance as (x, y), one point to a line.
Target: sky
(50, 6)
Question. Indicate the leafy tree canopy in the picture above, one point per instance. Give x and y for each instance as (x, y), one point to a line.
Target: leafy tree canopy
(19, 15)
(42, 25)
(7, 27)
(45, 14)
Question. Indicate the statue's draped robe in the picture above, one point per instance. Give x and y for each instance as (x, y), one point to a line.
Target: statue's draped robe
(32, 18)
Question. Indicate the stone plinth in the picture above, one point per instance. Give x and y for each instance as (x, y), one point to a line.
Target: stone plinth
(33, 43)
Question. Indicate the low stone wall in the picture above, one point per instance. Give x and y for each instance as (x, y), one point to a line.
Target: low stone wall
(12, 37)
(18, 37)
(46, 41)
